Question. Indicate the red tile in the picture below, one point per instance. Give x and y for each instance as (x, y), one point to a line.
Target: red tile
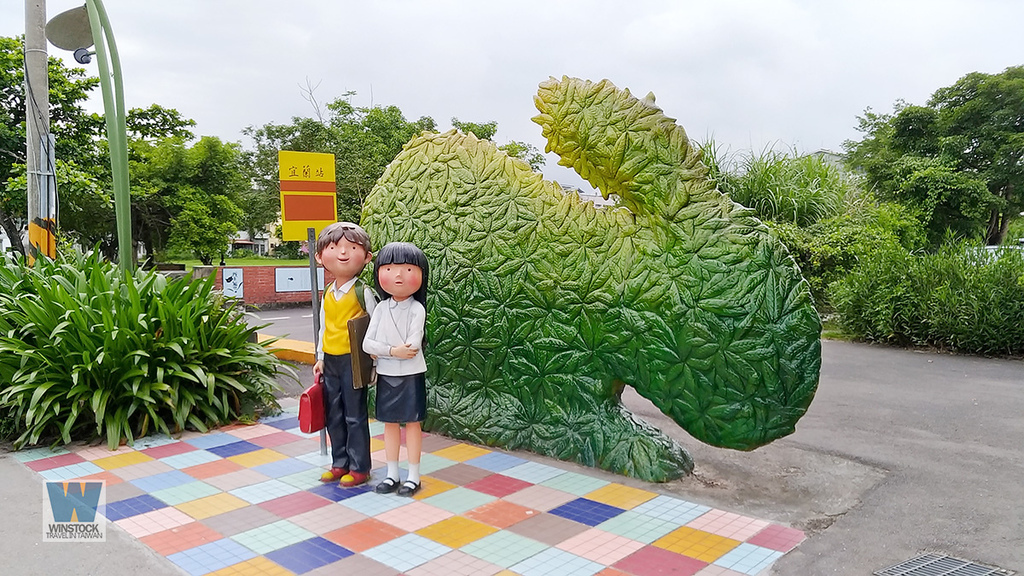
(653, 561)
(275, 439)
(211, 469)
(54, 462)
(778, 538)
(181, 538)
(294, 504)
(498, 485)
(168, 450)
(365, 535)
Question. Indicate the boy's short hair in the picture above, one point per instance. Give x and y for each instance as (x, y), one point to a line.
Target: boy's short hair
(335, 232)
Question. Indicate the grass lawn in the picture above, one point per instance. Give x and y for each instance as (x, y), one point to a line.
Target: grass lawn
(228, 262)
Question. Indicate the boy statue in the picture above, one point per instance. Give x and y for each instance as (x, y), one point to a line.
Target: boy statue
(344, 250)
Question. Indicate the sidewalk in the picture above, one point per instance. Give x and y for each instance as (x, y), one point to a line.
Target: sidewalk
(247, 500)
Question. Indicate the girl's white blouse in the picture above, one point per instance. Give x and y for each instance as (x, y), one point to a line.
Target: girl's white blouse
(395, 323)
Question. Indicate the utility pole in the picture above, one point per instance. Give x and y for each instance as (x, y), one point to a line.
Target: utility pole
(41, 226)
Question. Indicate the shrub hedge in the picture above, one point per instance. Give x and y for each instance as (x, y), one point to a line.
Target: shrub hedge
(962, 298)
(88, 351)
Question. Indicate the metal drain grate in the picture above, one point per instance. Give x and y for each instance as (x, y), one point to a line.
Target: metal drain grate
(941, 565)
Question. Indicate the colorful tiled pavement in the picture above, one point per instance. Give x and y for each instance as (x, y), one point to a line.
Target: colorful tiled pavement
(246, 500)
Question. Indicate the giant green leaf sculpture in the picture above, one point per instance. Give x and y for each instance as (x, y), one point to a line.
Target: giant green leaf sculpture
(542, 307)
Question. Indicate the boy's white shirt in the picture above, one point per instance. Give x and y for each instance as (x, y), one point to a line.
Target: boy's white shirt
(339, 291)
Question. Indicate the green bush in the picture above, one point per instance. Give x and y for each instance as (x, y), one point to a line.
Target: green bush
(828, 249)
(962, 298)
(87, 351)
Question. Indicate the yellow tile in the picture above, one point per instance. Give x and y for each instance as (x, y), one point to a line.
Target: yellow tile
(620, 496)
(461, 452)
(697, 544)
(257, 458)
(376, 444)
(122, 460)
(212, 505)
(258, 566)
(457, 531)
(432, 487)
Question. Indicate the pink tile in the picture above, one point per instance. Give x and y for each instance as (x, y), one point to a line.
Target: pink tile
(414, 516)
(327, 519)
(274, 439)
(166, 450)
(600, 546)
(55, 462)
(455, 563)
(728, 524)
(654, 561)
(294, 504)
(254, 431)
(778, 538)
(713, 570)
(153, 522)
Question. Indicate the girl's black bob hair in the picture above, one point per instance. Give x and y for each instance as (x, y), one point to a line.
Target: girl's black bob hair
(401, 253)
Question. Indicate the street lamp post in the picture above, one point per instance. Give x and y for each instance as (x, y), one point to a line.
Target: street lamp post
(70, 30)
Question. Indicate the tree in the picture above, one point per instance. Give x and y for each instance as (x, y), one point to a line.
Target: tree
(74, 129)
(959, 160)
(363, 141)
(483, 131)
(185, 196)
(523, 150)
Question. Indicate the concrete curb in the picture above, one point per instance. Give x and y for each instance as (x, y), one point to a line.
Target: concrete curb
(291, 350)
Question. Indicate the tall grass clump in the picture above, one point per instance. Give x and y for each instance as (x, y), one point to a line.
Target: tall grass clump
(962, 299)
(780, 187)
(88, 351)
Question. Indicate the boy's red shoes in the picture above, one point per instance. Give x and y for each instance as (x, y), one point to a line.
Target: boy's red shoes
(333, 475)
(354, 478)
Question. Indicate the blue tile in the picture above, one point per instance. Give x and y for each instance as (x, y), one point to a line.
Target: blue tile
(284, 423)
(309, 555)
(587, 511)
(163, 480)
(335, 493)
(233, 449)
(133, 507)
(211, 557)
(211, 440)
(496, 462)
(284, 467)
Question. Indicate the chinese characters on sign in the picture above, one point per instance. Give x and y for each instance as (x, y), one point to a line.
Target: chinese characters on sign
(308, 193)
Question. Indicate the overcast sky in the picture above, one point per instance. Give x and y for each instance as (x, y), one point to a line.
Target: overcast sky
(749, 73)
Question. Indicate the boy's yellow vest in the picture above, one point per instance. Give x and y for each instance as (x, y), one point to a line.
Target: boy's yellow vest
(337, 313)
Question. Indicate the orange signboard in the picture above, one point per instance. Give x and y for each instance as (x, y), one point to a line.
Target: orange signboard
(308, 193)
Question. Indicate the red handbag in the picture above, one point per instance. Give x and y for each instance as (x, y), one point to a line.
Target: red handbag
(311, 408)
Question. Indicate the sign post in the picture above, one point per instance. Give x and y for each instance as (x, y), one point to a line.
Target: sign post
(309, 202)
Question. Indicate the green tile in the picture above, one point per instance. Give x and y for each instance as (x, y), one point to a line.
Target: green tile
(272, 537)
(504, 548)
(185, 493)
(574, 483)
(302, 480)
(430, 463)
(636, 526)
(459, 500)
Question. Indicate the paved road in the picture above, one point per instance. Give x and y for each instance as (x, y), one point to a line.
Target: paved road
(295, 323)
(901, 452)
